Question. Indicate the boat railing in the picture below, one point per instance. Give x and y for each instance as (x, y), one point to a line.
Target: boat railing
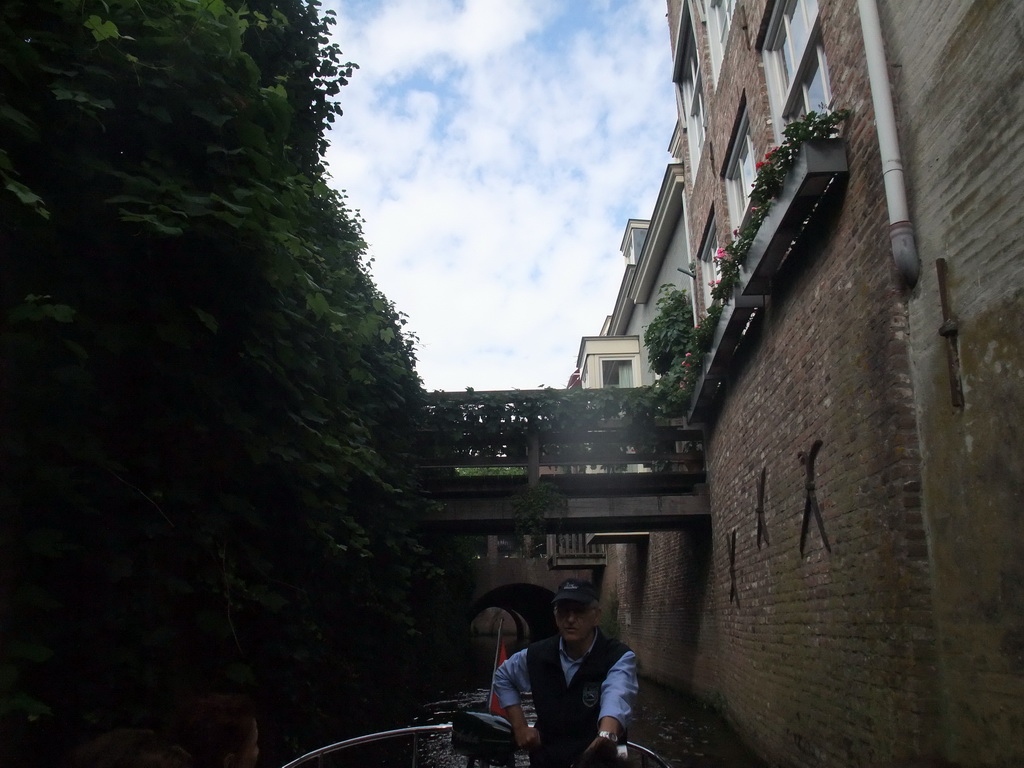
(315, 759)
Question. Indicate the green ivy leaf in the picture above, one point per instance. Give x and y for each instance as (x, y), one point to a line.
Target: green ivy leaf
(206, 319)
(101, 30)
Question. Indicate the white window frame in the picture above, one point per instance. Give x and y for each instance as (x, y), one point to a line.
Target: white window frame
(719, 22)
(740, 171)
(690, 92)
(794, 58)
(633, 367)
(709, 271)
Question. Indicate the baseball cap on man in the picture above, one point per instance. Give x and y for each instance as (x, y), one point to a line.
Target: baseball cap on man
(577, 590)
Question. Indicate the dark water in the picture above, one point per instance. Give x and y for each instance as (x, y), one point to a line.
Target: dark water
(677, 727)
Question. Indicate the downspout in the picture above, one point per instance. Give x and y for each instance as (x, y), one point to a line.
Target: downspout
(901, 231)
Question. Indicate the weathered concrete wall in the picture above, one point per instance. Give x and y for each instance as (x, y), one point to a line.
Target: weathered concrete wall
(961, 102)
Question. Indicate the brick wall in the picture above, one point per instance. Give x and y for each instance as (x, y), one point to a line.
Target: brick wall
(827, 659)
(662, 592)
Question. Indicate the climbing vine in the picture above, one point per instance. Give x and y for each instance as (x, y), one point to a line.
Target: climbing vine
(530, 506)
(208, 406)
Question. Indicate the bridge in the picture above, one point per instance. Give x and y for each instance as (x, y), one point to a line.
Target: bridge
(501, 465)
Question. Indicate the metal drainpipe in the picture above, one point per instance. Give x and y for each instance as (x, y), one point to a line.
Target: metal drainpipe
(901, 231)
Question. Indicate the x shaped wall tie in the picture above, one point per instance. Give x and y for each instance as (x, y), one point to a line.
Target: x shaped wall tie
(762, 529)
(811, 502)
(730, 540)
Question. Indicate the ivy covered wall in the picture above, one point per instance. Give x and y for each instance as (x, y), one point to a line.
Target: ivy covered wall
(206, 402)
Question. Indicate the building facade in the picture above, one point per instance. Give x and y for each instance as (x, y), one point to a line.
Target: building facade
(858, 598)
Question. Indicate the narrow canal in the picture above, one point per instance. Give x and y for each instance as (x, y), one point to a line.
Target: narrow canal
(677, 727)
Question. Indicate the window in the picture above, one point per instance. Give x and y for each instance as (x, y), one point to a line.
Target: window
(795, 65)
(739, 173)
(719, 19)
(617, 373)
(690, 93)
(709, 271)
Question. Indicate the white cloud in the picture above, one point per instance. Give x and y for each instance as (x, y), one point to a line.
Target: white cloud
(496, 151)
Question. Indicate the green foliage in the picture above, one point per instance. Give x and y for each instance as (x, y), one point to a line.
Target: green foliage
(677, 346)
(207, 404)
(530, 506)
(667, 336)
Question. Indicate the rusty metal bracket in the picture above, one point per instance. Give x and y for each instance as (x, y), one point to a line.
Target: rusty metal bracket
(811, 501)
(949, 330)
(762, 529)
(730, 541)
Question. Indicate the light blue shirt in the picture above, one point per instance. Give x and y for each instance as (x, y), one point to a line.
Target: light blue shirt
(618, 691)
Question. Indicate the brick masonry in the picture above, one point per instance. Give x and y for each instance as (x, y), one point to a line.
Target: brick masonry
(908, 638)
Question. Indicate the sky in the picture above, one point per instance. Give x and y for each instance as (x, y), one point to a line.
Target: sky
(495, 150)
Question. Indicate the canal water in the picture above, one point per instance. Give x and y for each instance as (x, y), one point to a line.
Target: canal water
(677, 727)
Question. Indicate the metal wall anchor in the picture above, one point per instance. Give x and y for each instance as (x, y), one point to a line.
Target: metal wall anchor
(811, 502)
(762, 529)
(730, 540)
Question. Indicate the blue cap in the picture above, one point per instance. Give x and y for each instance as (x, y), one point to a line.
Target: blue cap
(577, 590)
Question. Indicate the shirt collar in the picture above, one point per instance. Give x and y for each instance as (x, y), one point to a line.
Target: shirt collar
(565, 653)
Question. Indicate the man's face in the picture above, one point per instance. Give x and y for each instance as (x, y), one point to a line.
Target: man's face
(576, 621)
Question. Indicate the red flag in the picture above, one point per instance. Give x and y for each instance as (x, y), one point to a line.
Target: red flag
(495, 707)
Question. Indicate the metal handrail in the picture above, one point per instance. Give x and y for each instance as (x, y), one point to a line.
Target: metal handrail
(416, 730)
(370, 738)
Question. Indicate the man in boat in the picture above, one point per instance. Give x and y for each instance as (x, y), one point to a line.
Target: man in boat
(583, 682)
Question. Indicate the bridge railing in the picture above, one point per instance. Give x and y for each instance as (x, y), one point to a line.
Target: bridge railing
(571, 551)
(548, 430)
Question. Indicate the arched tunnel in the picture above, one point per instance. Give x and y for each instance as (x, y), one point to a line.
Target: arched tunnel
(528, 604)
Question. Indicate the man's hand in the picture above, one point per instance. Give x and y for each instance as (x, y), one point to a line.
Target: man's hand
(527, 738)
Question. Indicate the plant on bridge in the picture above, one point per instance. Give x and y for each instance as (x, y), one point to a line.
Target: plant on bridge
(530, 506)
(475, 423)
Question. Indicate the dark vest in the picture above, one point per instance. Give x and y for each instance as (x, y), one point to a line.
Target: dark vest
(567, 717)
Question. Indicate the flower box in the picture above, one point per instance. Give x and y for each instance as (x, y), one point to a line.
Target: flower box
(735, 317)
(819, 164)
